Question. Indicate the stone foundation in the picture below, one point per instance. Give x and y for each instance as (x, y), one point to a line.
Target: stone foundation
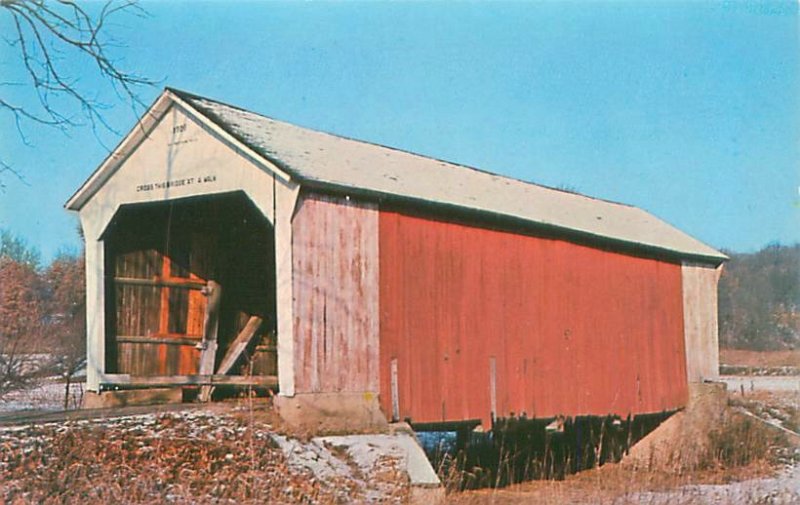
(112, 399)
(332, 412)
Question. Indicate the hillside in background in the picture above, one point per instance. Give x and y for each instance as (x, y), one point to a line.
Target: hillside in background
(759, 299)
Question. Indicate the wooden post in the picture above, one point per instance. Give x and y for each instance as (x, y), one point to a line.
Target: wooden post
(395, 393)
(235, 350)
(463, 434)
(493, 386)
(208, 352)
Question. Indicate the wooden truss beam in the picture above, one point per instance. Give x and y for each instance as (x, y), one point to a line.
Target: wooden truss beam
(238, 346)
(235, 350)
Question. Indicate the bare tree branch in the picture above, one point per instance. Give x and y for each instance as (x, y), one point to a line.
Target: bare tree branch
(6, 168)
(43, 32)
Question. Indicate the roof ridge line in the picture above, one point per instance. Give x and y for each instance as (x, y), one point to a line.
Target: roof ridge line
(252, 130)
(183, 94)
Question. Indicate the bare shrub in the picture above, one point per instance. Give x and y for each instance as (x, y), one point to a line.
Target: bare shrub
(740, 441)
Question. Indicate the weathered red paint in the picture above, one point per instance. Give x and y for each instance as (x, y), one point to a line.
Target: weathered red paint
(573, 330)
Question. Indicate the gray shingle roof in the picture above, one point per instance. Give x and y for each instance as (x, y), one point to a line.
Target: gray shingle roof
(326, 160)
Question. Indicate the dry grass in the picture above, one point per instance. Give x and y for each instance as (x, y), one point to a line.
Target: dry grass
(715, 444)
(210, 456)
(612, 483)
(779, 408)
(97, 465)
(740, 357)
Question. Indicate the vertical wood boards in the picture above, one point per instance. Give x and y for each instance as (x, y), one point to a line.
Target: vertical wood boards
(144, 307)
(265, 360)
(335, 287)
(137, 358)
(573, 330)
(700, 321)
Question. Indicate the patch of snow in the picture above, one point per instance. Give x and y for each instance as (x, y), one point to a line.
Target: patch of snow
(783, 489)
(761, 383)
(313, 456)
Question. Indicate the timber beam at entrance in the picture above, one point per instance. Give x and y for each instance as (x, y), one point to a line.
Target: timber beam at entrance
(110, 381)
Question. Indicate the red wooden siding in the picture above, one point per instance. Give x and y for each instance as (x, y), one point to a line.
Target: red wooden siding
(335, 289)
(572, 330)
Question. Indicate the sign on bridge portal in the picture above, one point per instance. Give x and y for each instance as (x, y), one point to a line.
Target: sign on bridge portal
(185, 181)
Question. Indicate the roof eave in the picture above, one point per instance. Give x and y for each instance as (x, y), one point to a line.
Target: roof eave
(106, 168)
(183, 99)
(143, 128)
(516, 222)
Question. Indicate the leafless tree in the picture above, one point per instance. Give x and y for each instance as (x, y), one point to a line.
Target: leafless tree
(21, 315)
(68, 358)
(42, 318)
(43, 33)
(67, 318)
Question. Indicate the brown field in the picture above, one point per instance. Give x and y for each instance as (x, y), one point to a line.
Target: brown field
(740, 357)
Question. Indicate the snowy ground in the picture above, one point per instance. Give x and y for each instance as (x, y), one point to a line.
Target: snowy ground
(373, 462)
(47, 395)
(750, 383)
(783, 489)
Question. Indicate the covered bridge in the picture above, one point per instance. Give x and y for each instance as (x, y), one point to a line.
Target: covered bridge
(341, 268)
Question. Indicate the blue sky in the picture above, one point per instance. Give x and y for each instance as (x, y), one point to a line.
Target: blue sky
(689, 110)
